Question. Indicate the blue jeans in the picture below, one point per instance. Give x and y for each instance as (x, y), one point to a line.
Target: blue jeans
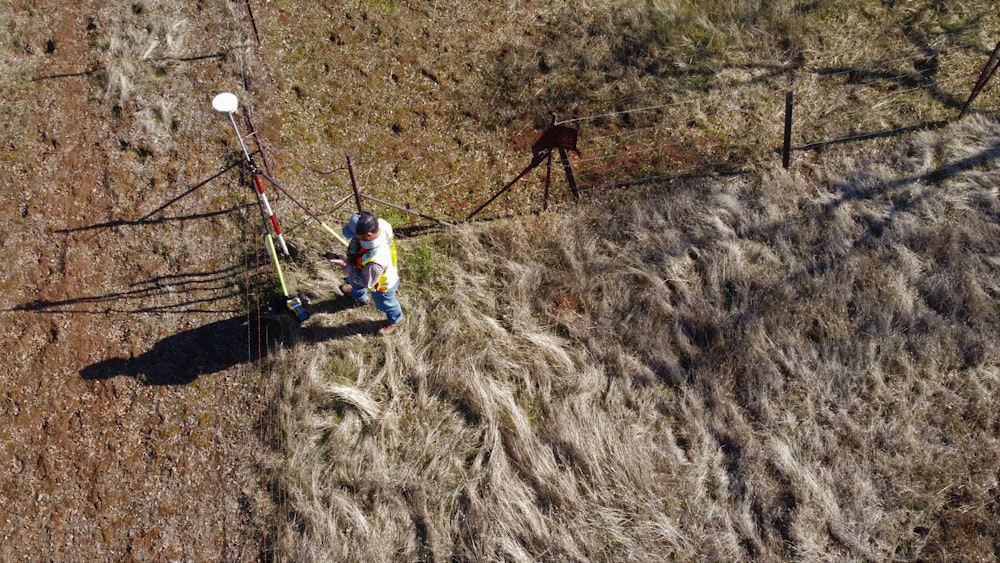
(385, 301)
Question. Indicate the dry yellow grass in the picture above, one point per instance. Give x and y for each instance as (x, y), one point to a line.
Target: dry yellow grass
(771, 365)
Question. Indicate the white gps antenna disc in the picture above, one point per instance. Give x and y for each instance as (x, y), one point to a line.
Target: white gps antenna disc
(225, 102)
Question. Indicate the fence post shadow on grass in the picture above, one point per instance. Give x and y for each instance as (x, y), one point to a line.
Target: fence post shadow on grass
(896, 132)
(876, 228)
(182, 358)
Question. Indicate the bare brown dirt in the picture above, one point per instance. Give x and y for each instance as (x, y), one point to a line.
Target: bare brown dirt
(129, 406)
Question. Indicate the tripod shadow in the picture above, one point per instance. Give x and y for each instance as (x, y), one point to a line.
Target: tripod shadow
(204, 289)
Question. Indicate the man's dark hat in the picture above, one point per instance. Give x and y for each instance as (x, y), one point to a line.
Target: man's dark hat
(360, 224)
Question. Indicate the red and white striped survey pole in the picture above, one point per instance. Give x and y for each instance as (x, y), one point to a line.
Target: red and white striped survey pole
(267, 206)
(227, 103)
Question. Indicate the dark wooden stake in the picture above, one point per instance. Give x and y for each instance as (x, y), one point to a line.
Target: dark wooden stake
(247, 117)
(253, 22)
(548, 180)
(548, 171)
(354, 184)
(988, 71)
(786, 151)
(569, 173)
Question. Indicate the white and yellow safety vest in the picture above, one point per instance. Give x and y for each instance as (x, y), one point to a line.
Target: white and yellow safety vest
(383, 253)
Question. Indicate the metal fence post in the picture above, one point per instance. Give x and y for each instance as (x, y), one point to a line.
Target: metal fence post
(988, 71)
(787, 149)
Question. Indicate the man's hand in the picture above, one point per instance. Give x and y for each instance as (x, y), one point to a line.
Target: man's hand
(336, 259)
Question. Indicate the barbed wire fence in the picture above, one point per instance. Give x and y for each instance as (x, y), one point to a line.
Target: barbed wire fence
(726, 130)
(895, 96)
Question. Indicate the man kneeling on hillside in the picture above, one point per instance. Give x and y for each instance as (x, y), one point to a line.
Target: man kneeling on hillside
(371, 267)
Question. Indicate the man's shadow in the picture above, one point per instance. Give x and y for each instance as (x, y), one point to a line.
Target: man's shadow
(181, 358)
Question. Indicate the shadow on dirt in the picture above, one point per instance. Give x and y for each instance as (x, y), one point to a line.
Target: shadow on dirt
(182, 358)
(204, 291)
(148, 219)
